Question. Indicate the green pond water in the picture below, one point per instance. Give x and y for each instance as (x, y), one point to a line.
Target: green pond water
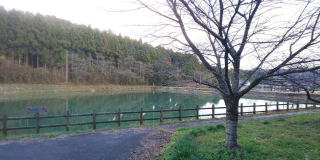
(111, 102)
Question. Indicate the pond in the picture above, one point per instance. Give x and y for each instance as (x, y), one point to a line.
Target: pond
(111, 102)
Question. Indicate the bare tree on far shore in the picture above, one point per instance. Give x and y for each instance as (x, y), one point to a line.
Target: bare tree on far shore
(308, 82)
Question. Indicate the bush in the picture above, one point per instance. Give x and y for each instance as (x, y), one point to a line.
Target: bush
(240, 125)
(212, 128)
(265, 122)
(184, 148)
(221, 126)
(281, 119)
(198, 132)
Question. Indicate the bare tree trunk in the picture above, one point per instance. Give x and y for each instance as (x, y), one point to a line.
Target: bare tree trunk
(32, 61)
(231, 121)
(37, 61)
(77, 74)
(72, 62)
(26, 61)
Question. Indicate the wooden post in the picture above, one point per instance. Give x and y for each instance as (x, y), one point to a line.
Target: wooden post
(179, 113)
(67, 121)
(287, 106)
(141, 118)
(306, 104)
(37, 123)
(119, 117)
(241, 109)
(298, 105)
(277, 106)
(266, 105)
(212, 110)
(4, 129)
(94, 124)
(254, 108)
(161, 115)
(197, 113)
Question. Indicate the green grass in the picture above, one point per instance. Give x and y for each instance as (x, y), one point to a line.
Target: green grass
(32, 91)
(294, 137)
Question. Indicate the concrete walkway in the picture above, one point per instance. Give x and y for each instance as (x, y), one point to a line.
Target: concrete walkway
(117, 145)
(111, 144)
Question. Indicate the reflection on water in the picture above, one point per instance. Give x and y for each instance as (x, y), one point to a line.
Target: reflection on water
(111, 102)
(107, 102)
(249, 102)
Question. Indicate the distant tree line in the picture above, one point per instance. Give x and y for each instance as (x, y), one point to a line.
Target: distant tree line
(40, 42)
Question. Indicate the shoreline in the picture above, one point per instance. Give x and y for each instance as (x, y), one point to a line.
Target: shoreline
(26, 91)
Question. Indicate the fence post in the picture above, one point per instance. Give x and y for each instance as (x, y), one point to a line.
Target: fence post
(266, 105)
(241, 109)
(306, 104)
(212, 110)
(67, 122)
(254, 108)
(119, 117)
(197, 114)
(94, 120)
(161, 116)
(277, 106)
(4, 120)
(179, 113)
(314, 105)
(37, 123)
(141, 118)
(298, 105)
(287, 106)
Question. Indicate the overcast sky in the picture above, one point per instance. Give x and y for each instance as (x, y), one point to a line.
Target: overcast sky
(85, 12)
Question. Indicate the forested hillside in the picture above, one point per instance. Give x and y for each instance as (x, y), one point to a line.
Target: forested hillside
(36, 49)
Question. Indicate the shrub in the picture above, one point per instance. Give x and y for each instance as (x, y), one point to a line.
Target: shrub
(265, 122)
(198, 132)
(281, 119)
(212, 128)
(221, 126)
(184, 148)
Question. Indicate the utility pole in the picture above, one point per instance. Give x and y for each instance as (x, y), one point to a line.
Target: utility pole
(67, 67)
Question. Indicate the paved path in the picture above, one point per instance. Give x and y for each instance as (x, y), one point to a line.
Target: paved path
(113, 145)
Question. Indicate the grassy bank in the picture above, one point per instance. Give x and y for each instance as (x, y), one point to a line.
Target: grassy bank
(36, 91)
(294, 137)
(281, 95)
(27, 91)
(30, 88)
(12, 91)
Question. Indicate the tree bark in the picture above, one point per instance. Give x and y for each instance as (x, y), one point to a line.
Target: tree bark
(37, 61)
(32, 61)
(231, 121)
(26, 59)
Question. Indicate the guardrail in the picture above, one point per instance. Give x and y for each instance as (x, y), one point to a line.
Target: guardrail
(94, 115)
